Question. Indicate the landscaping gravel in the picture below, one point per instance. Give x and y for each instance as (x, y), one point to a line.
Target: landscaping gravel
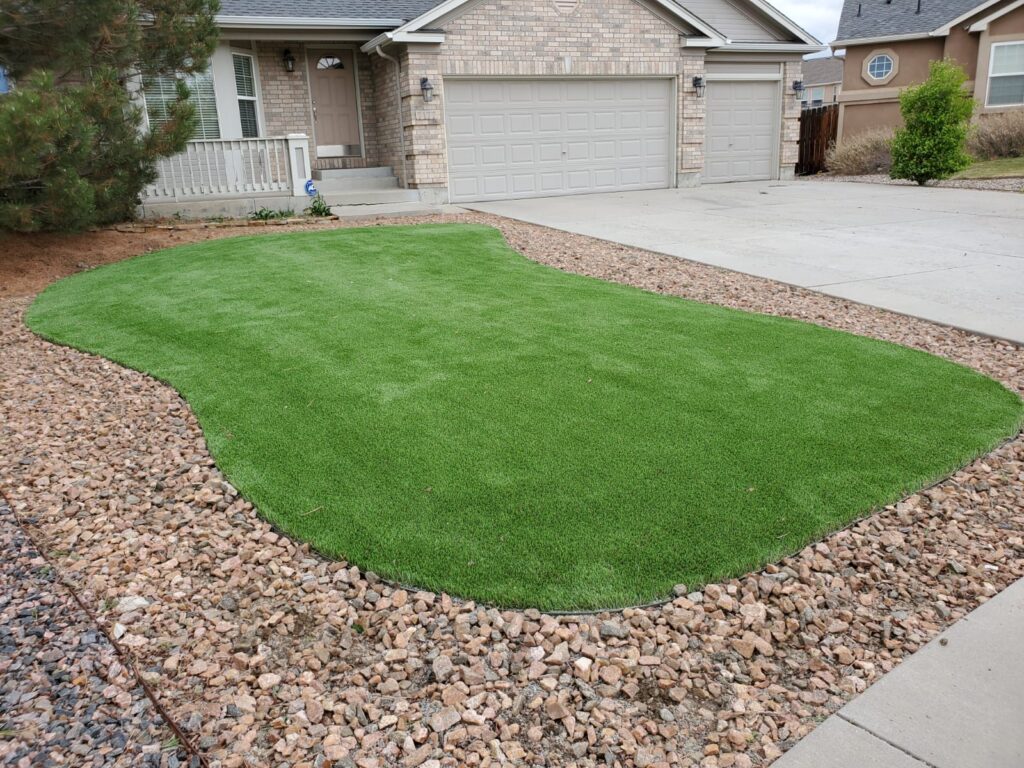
(65, 696)
(271, 656)
(1012, 184)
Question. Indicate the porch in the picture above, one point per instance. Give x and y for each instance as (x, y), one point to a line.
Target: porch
(279, 121)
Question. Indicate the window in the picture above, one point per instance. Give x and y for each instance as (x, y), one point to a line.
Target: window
(161, 92)
(5, 83)
(880, 67)
(1006, 75)
(245, 84)
(330, 62)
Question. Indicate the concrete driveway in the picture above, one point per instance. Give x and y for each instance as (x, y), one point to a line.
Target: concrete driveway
(948, 255)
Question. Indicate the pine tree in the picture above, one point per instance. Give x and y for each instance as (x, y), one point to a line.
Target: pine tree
(72, 149)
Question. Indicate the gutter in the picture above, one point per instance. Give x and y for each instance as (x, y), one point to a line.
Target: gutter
(304, 22)
(398, 36)
(886, 39)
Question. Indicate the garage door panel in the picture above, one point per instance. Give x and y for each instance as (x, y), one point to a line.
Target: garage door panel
(558, 137)
(743, 119)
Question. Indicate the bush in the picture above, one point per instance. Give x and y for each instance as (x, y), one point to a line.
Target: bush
(998, 135)
(936, 116)
(863, 154)
(72, 150)
(319, 207)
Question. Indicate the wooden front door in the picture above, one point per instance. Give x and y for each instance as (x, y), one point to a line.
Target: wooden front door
(332, 81)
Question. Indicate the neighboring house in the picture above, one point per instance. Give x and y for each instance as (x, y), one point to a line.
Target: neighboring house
(823, 81)
(468, 100)
(891, 43)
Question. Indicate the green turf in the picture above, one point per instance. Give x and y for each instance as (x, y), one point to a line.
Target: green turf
(436, 408)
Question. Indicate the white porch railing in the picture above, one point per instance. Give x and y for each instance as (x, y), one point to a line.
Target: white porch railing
(233, 167)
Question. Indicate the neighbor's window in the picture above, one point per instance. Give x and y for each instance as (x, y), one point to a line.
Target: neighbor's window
(1006, 75)
(245, 84)
(161, 92)
(880, 67)
(5, 83)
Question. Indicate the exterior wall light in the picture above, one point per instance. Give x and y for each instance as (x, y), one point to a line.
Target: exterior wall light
(699, 86)
(798, 87)
(427, 89)
(288, 60)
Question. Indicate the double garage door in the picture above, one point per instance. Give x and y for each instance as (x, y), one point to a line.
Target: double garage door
(537, 138)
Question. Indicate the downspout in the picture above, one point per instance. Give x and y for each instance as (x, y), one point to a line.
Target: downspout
(401, 124)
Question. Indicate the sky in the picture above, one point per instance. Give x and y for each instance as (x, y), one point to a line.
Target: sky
(819, 17)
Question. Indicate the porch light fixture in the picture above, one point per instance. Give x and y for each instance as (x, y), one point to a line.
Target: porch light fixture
(699, 86)
(289, 60)
(427, 89)
(798, 87)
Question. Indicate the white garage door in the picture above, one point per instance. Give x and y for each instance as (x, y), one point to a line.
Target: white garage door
(537, 138)
(742, 126)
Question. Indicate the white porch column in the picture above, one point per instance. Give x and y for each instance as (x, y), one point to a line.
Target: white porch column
(298, 159)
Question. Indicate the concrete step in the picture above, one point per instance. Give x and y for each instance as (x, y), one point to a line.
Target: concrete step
(372, 197)
(354, 173)
(384, 209)
(357, 184)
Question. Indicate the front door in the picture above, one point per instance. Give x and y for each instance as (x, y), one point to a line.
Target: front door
(332, 80)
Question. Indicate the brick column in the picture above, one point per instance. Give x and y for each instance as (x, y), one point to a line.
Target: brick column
(790, 151)
(691, 121)
(425, 145)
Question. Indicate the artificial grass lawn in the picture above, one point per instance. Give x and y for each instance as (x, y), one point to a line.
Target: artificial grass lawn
(431, 405)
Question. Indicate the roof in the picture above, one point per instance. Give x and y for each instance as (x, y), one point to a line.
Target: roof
(868, 19)
(403, 10)
(823, 71)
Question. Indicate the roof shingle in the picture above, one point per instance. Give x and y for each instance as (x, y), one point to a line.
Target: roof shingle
(328, 9)
(885, 18)
(823, 71)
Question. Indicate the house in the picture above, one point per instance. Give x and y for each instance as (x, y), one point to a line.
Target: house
(823, 81)
(891, 43)
(469, 100)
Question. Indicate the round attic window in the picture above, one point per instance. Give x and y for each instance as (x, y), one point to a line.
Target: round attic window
(330, 62)
(880, 67)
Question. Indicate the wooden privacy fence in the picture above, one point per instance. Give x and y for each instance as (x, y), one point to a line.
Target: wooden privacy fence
(819, 127)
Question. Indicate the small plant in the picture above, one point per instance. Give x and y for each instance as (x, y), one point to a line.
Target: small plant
(319, 207)
(936, 116)
(862, 154)
(997, 136)
(266, 214)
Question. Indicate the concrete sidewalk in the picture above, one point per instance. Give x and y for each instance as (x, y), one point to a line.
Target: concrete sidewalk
(956, 703)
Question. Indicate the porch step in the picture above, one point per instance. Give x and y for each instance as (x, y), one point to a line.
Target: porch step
(356, 184)
(371, 197)
(354, 173)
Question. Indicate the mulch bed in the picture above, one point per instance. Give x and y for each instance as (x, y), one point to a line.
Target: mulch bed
(274, 656)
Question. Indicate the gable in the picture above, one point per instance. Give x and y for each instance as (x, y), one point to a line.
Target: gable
(534, 31)
(739, 21)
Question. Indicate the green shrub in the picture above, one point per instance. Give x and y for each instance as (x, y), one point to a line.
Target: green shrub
(998, 135)
(865, 153)
(268, 214)
(319, 207)
(936, 117)
(72, 150)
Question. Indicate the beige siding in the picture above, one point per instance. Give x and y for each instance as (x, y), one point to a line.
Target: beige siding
(737, 21)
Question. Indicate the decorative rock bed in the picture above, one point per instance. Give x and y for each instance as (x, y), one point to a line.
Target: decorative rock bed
(266, 654)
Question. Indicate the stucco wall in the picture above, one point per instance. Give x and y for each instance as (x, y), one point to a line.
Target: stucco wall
(858, 118)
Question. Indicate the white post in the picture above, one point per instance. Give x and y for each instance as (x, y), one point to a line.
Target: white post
(298, 158)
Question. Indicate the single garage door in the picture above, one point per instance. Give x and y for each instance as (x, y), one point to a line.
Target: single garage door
(741, 127)
(537, 138)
